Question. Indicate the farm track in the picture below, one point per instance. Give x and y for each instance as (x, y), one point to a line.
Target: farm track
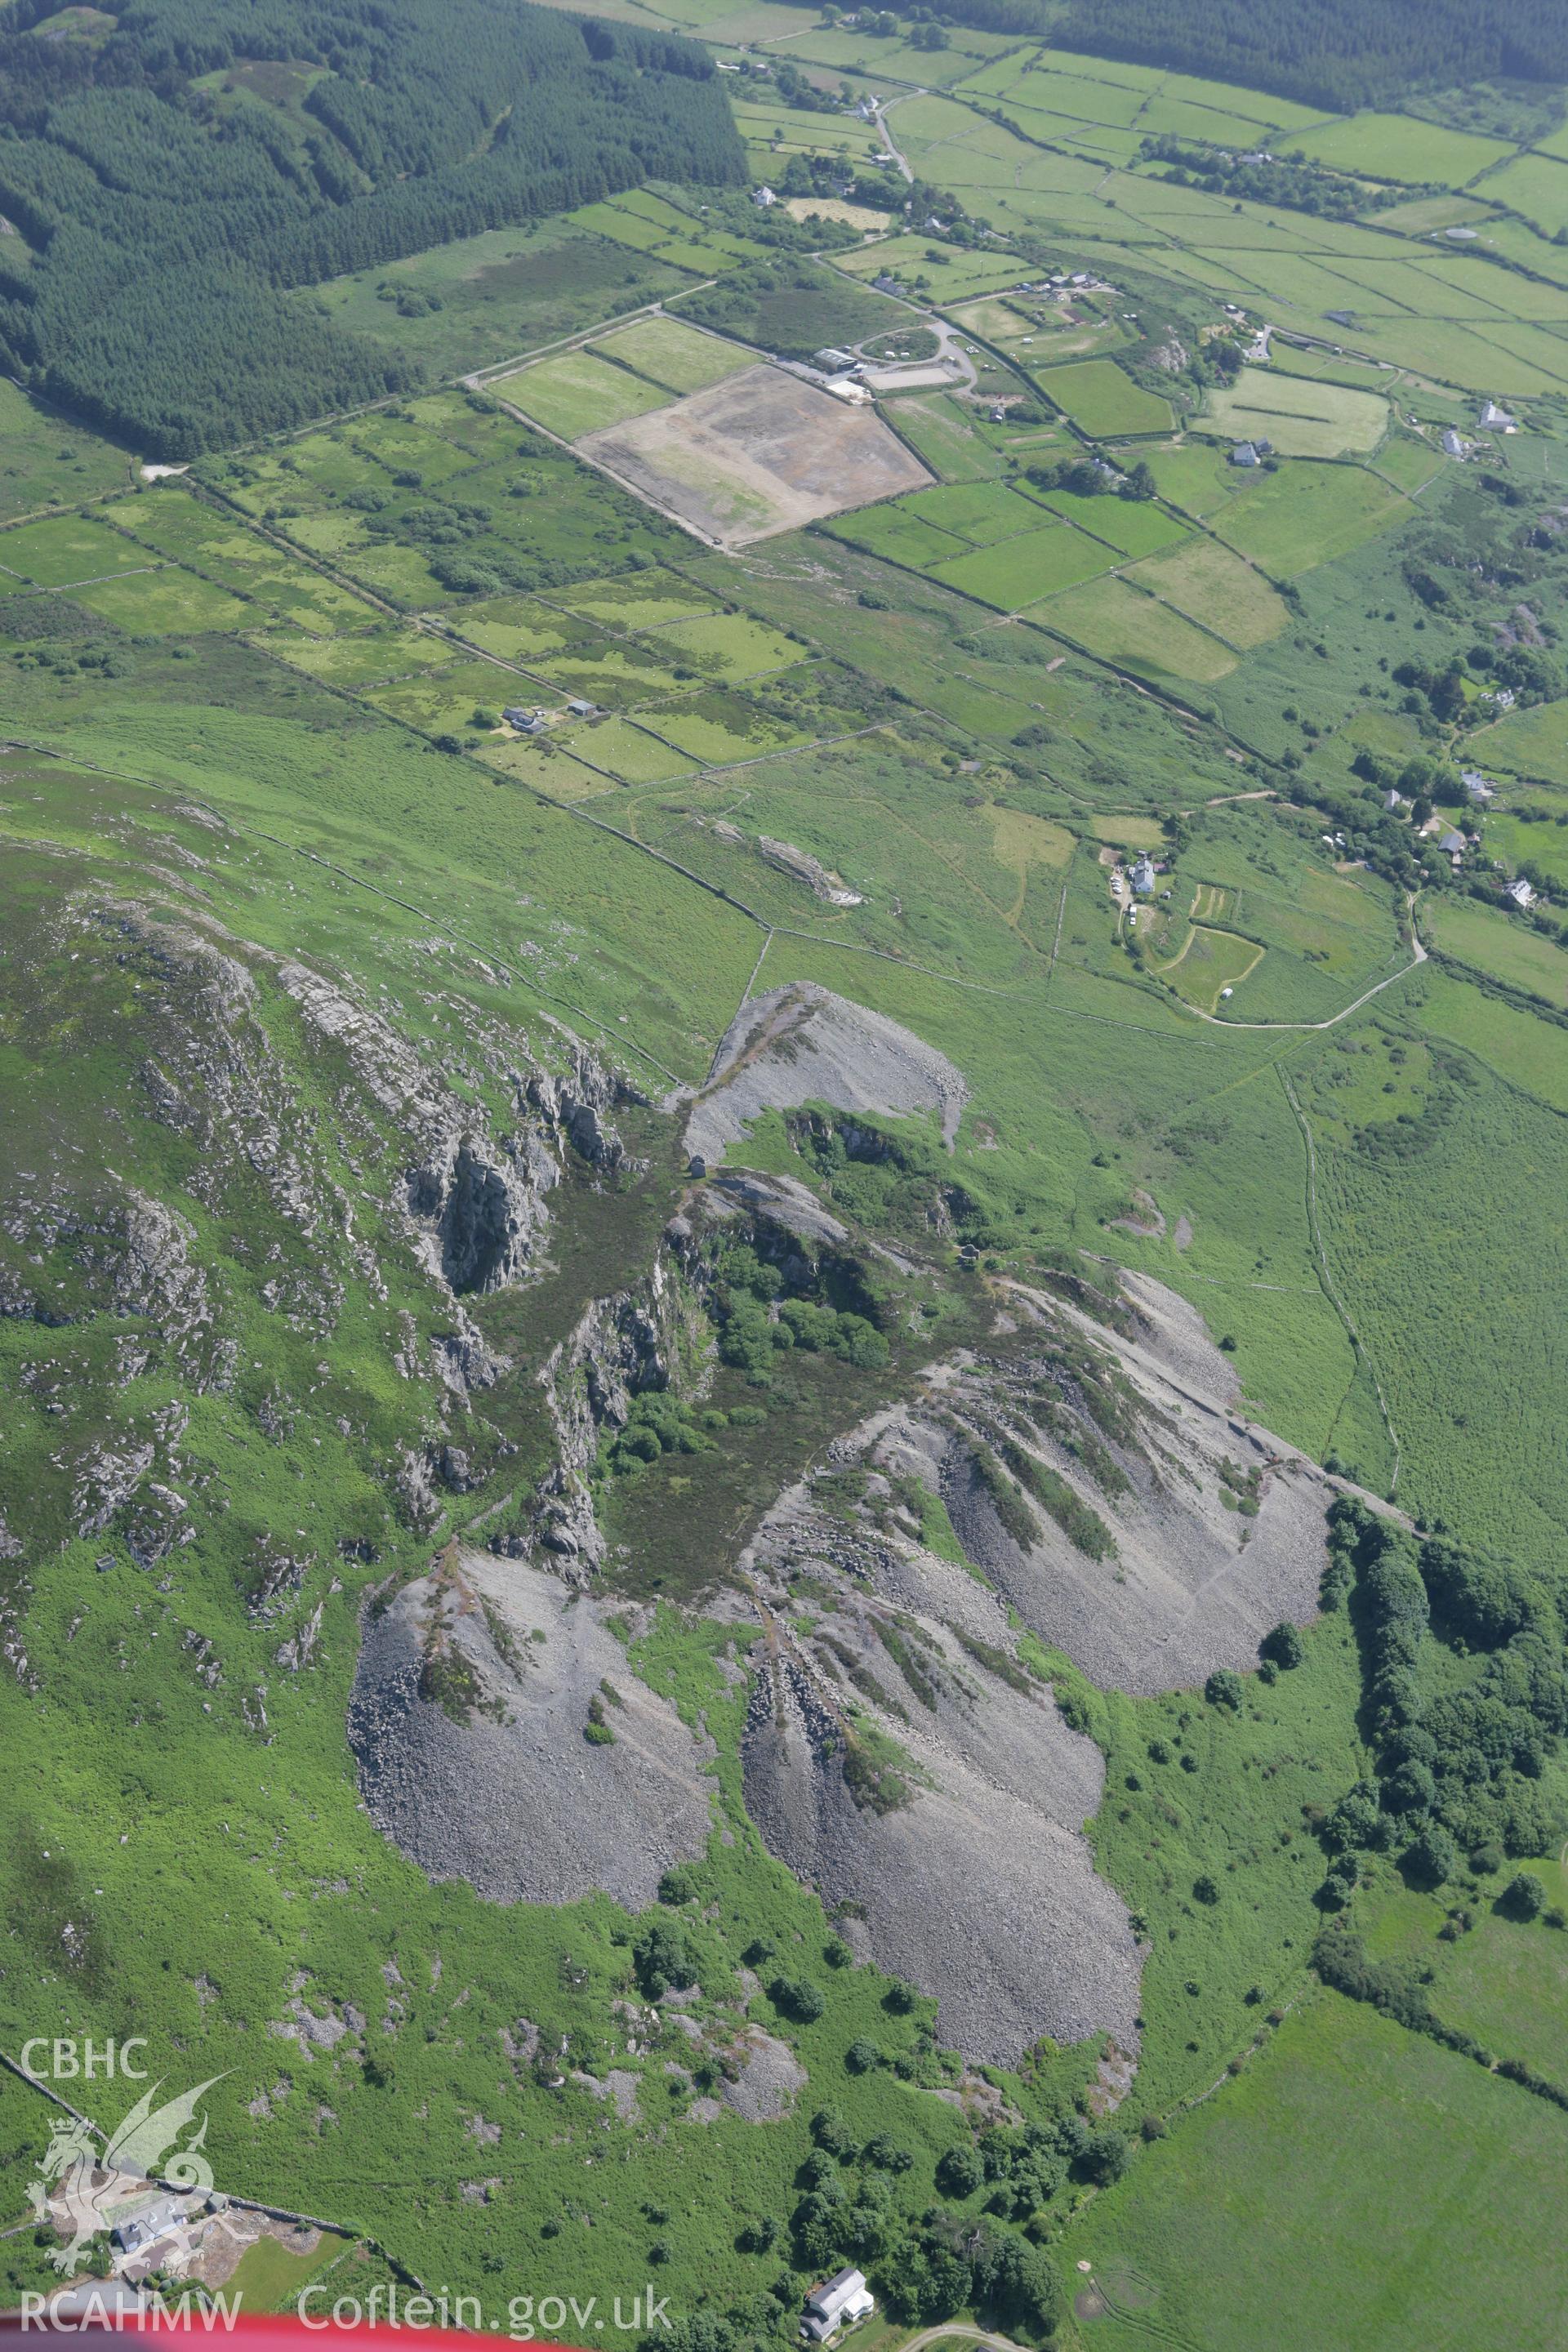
(1418, 956)
(1330, 1293)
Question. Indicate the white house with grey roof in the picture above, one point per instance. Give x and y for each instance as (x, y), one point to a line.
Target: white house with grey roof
(842, 2301)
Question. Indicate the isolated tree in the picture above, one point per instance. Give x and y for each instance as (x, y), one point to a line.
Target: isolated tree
(958, 2171)
(1434, 1858)
(1284, 1644)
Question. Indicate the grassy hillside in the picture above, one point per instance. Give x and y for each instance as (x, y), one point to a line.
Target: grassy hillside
(331, 993)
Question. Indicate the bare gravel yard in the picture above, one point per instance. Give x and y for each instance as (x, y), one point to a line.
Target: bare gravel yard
(763, 452)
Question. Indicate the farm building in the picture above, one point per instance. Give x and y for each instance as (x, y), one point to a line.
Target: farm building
(844, 387)
(841, 2301)
(1452, 444)
(835, 361)
(1519, 894)
(527, 722)
(1245, 454)
(1498, 420)
(1453, 845)
(580, 708)
(1477, 789)
(138, 2226)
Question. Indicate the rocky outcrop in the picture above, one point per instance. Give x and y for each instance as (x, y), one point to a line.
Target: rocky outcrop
(623, 1346)
(1110, 1494)
(479, 1209)
(577, 1108)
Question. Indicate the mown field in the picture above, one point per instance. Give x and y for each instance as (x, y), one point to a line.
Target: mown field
(1308, 2188)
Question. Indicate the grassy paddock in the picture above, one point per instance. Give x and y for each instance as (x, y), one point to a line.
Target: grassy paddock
(1101, 400)
(1502, 946)
(1311, 2188)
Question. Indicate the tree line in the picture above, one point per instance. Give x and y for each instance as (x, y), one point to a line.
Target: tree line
(170, 232)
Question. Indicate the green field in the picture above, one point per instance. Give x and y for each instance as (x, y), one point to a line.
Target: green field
(1133, 527)
(1212, 586)
(60, 553)
(727, 645)
(482, 299)
(1505, 947)
(1525, 743)
(981, 513)
(364, 660)
(1397, 147)
(578, 394)
(1101, 401)
(269, 2275)
(928, 266)
(1112, 619)
(1308, 2189)
(949, 437)
(625, 751)
(672, 355)
(1302, 419)
(893, 531)
(1022, 571)
(1529, 1053)
(176, 524)
(163, 602)
(1307, 514)
(794, 311)
(46, 461)
(1507, 1981)
(1194, 478)
(1209, 961)
(1539, 838)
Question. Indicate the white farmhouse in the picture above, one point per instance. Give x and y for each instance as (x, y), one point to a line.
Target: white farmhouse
(842, 2301)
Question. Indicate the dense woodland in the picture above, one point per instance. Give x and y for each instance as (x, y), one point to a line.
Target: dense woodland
(1335, 54)
(166, 230)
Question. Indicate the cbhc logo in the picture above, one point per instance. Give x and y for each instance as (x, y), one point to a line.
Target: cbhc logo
(85, 2060)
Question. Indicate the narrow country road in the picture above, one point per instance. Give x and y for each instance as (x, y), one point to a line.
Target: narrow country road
(882, 114)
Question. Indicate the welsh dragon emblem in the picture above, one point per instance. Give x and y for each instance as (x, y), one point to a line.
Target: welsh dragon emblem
(80, 2184)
